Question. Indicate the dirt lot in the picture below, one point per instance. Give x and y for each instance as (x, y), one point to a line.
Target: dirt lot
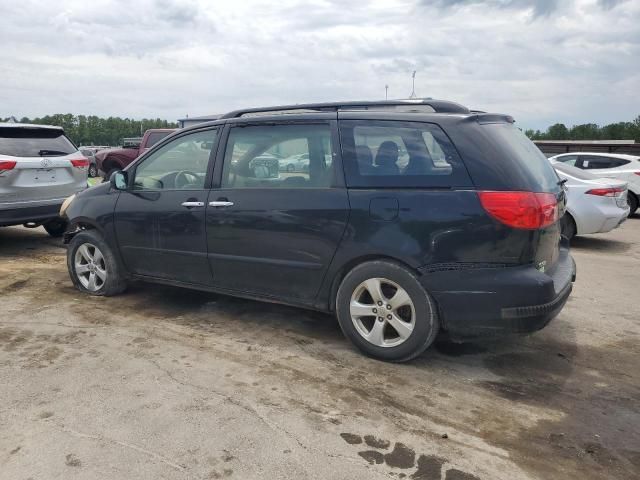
(165, 383)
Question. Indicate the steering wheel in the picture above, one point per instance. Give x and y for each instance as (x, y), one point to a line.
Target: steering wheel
(185, 178)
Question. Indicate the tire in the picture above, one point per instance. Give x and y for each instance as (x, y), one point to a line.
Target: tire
(93, 171)
(107, 176)
(56, 227)
(632, 200)
(114, 281)
(568, 226)
(391, 346)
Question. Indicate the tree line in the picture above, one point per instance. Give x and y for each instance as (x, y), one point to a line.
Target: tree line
(589, 131)
(93, 130)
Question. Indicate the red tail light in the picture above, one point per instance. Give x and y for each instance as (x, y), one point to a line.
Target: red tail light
(80, 162)
(637, 173)
(7, 164)
(605, 192)
(527, 210)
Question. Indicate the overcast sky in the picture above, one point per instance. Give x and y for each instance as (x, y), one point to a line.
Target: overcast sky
(573, 61)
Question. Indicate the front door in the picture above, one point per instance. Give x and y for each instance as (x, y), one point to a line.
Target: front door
(160, 219)
(273, 229)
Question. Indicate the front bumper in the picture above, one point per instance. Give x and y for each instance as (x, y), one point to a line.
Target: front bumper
(481, 302)
(34, 213)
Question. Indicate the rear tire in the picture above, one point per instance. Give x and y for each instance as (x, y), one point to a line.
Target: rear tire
(407, 320)
(632, 200)
(568, 226)
(93, 171)
(87, 254)
(56, 227)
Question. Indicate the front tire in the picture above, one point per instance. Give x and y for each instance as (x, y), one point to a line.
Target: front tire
(93, 171)
(385, 311)
(56, 227)
(632, 200)
(568, 226)
(93, 267)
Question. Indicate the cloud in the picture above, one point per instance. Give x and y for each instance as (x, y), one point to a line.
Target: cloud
(541, 61)
(538, 8)
(609, 4)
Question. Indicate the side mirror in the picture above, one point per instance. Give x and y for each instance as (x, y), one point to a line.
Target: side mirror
(119, 180)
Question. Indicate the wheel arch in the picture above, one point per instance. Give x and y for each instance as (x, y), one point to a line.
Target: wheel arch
(349, 265)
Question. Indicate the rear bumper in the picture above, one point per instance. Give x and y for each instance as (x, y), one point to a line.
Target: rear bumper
(480, 302)
(37, 213)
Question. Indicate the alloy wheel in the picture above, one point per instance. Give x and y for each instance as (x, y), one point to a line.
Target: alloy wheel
(90, 267)
(382, 312)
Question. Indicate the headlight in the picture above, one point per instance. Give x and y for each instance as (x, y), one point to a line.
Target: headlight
(66, 204)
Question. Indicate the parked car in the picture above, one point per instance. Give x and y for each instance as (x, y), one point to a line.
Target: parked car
(609, 165)
(112, 159)
(39, 168)
(93, 165)
(594, 205)
(295, 163)
(398, 247)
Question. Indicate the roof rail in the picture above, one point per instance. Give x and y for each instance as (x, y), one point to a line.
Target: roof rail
(411, 105)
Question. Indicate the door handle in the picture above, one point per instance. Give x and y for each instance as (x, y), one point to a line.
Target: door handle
(221, 203)
(192, 204)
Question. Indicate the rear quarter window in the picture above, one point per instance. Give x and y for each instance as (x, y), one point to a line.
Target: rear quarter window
(26, 142)
(524, 155)
(399, 154)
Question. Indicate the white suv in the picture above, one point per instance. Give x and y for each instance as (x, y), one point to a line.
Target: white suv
(610, 165)
(39, 168)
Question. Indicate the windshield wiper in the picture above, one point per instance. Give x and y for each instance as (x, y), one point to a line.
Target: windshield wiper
(42, 153)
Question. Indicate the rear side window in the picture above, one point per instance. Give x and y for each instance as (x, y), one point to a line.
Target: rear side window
(28, 142)
(594, 162)
(525, 155)
(155, 137)
(574, 171)
(399, 154)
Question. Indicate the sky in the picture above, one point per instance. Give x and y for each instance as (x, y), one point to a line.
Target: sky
(544, 61)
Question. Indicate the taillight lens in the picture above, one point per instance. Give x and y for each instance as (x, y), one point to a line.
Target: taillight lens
(80, 162)
(7, 164)
(605, 192)
(637, 173)
(526, 210)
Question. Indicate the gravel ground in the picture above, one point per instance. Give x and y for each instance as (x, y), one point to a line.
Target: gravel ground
(166, 383)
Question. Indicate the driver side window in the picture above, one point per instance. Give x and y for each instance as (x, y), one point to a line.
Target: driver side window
(179, 165)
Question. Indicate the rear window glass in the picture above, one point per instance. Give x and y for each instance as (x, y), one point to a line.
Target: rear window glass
(155, 137)
(525, 155)
(26, 142)
(399, 154)
(573, 171)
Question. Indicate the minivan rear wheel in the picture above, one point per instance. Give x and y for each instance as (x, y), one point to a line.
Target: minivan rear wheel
(93, 267)
(385, 311)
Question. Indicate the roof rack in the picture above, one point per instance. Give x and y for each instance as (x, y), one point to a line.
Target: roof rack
(418, 105)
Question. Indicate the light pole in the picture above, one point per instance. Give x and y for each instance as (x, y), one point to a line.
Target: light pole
(386, 92)
(413, 85)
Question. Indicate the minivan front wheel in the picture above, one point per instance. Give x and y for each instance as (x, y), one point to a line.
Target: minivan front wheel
(92, 265)
(385, 312)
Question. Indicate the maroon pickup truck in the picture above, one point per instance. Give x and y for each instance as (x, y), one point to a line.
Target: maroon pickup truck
(113, 159)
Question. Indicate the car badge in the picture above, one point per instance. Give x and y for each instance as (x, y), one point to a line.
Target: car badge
(45, 163)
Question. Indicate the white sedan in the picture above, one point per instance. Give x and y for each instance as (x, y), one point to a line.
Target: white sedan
(609, 165)
(594, 205)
